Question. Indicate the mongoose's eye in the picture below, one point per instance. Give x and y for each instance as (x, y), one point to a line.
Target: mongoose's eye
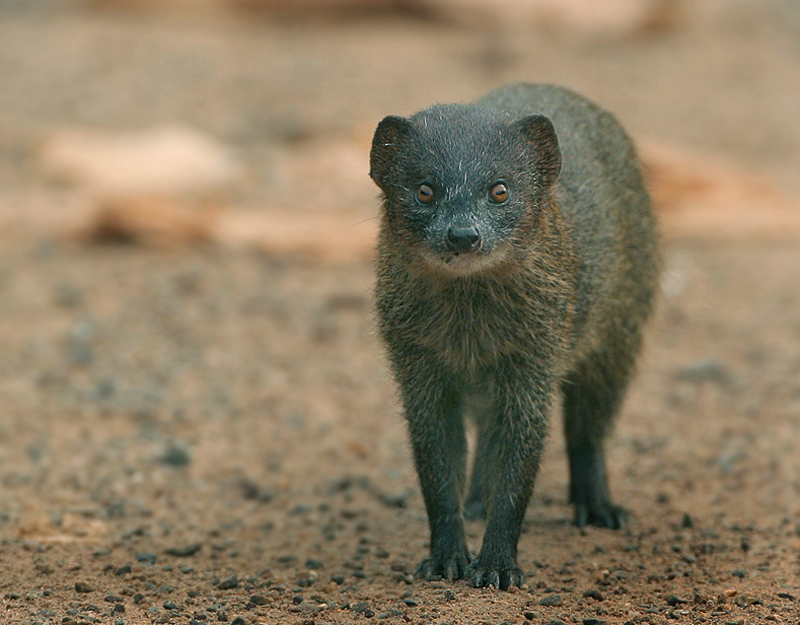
(498, 194)
(424, 194)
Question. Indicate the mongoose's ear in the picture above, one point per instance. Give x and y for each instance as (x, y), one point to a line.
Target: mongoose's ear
(389, 136)
(541, 135)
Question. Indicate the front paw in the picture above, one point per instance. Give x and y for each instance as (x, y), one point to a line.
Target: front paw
(498, 572)
(451, 566)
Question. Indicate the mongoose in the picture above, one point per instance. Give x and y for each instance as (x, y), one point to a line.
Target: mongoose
(517, 257)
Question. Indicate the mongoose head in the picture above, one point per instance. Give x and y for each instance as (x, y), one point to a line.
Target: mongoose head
(462, 185)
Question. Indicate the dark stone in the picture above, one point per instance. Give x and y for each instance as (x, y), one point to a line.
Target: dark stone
(229, 583)
(146, 557)
(184, 551)
(83, 587)
(360, 608)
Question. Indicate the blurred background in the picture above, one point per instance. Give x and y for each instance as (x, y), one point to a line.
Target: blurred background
(243, 106)
(187, 346)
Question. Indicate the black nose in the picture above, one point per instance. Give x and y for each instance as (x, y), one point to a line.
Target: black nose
(463, 240)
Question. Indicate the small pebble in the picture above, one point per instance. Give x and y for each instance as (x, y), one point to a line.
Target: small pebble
(395, 501)
(83, 587)
(184, 551)
(360, 608)
(704, 371)
(67, 296)
(380, 552)
(176, 454)
(745, 544)
(551, 601)
(229, 583)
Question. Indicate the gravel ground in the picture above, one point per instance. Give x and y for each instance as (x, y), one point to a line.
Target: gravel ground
(208, 435)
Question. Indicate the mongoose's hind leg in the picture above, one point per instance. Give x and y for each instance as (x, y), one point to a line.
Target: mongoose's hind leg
(482, 410)
(592, 396)
(475, 504)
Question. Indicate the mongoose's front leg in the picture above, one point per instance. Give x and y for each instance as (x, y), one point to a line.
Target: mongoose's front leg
(516, 441)
(436, 428)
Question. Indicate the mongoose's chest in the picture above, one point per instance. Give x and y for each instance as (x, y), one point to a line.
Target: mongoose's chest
(471, 324)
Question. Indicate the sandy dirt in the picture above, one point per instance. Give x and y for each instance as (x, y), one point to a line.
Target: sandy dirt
(208, 433)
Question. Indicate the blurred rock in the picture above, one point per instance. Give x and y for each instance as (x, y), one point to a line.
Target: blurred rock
(310, 236)
(700, 194)
(155, 222)
(696, 196)
(177, 454)
(71, 528)
(325, 8)
(163, 160)
(610, 17)
(709, 370)
(297, 8)
(585, 16)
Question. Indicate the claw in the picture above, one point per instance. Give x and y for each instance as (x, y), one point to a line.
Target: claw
(455, 566)
(497, 576)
